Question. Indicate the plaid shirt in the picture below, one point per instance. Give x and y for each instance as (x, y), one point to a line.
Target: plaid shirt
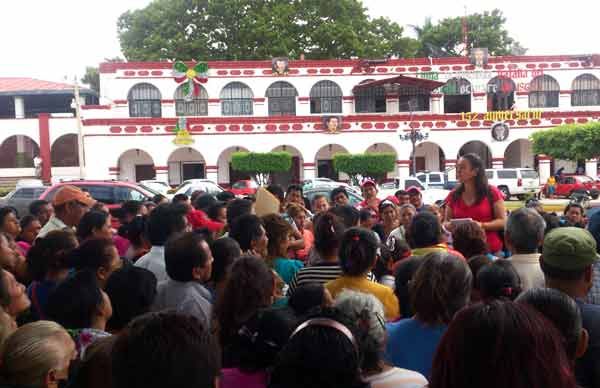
(594, 294)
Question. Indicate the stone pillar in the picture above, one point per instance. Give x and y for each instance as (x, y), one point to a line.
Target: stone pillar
(436, 103)
(479, 102)
(347, 105)
(497, 163)
(564, 100)
(392, 103)
(521, 100)
(214, 107)
(162, 173)
(403, 168)
(19, 107)
(544, 168)
(260, 107)
(44, 132)
(591, 168)
(303, 106)
(309, 171)
(450, 168)
(212, 173)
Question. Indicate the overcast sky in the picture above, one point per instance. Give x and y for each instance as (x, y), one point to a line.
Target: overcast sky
(57, 38)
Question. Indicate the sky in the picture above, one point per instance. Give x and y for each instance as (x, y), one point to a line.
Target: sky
(55, 40)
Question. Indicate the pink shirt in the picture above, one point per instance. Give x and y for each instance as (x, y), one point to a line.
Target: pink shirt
(481, 211)
(235, 378)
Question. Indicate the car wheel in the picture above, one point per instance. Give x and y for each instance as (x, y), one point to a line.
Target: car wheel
(505, 192)
(521, 197)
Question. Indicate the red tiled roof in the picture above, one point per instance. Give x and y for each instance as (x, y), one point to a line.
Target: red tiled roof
(22, 84)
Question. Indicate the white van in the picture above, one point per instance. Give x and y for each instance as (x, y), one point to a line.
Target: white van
(514, 181)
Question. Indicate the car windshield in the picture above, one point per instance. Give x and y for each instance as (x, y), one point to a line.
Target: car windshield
(585, 179)
(148, 188)
(529, 174)
(239, 185)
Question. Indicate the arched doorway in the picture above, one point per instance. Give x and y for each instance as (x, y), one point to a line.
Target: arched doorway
(457, 95)
(479, 148)
(429, 157)
(295, 175)
(186, 163)
(18, 151)
(227, 175)
(500, 94)
(324, 161)
(136, 165)
(380, 148)
(65, 151)
(518, 154)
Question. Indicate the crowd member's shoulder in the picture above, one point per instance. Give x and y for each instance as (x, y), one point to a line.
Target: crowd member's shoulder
(495, 193)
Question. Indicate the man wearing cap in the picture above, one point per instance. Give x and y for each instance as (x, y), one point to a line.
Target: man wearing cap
(70, 204)
(415, 197)
(567, 259)
(369, 188)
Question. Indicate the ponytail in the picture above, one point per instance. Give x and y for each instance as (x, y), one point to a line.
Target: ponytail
(328, 231)
(358, 251)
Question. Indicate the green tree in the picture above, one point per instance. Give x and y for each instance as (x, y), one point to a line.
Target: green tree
(92, 76)
(258, 29)
(485, 29)
(261, 165)
(568, 142)
(373, 165)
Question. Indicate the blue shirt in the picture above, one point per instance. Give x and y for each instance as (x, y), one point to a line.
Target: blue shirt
(587, 368)
(287, 268)
(412, 344)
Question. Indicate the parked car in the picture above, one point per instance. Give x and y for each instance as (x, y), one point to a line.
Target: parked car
(156, 185)
(111, 193)
(517, 182)
(191, 185)
(389, 188)
(329, 183)
(244, 187)
(21, 197)
(355, 199)
(567, 185)
(432, 180)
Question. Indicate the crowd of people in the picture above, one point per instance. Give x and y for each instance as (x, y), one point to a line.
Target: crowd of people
(393, 293)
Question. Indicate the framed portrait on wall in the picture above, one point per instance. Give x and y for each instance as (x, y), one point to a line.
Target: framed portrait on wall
(479, 57)
(332, 124)
(279, 65)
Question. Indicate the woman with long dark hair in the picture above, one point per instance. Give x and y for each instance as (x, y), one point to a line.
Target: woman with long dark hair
(474, 198)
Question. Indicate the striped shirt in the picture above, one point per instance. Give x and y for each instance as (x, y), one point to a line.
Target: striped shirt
(319, 273)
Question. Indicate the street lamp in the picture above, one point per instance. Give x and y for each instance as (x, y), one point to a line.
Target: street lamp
(414, 136)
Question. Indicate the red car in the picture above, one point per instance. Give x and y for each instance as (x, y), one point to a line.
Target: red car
(567, 185)
(245, 187)
(111, 193)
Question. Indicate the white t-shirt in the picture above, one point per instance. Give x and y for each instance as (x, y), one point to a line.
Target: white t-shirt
(397, 378)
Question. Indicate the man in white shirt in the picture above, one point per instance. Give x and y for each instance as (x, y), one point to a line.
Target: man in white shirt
(70, 204)
(524, 234)
(164, 222)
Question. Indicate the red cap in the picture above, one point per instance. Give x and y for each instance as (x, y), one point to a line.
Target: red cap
(368, 182)
(394, 199)
(413, 189)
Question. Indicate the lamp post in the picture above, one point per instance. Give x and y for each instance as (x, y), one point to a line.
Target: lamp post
(80, 149)
(414, 136)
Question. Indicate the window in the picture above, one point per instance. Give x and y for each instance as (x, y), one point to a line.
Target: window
(500, 94)
(507, 174)
(413, 99)
(435, 178)
(422, 178)
(529, 174)
(123, 194)
(144, 101)
(282, 99)
(103, 193)
(412, 182)
(326, 97)
(24, 194)
(586, 91)
(368, 100)
(236, 100)
(457, 95)
(197, 106)
(489, 174)
(543, 92)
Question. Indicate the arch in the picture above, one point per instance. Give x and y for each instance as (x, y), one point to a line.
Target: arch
(18, 151)
(144, 100)
(586, 90)
(196, 106)
(479, 148)
(225, 174)
(135, 165)
(185, 163)
(282, 99)
(324, 161)
(296, 173)
(500, 94)
(370, 100)
(429, 156)
(543, 92)
(65, 151)
(236, 99)
(519, 153)
(326, 97)
(457, 95)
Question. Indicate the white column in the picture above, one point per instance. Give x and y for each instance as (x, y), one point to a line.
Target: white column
(544, 168)
(347, 105)
(591, 168)
(392, 103)
(212, 173)
(498, 163)
(436, 105)
(260, 107)
(403, 168)
(162, 173)
(309, 171)
(564, 100)
(19, 107)
(303, 106)
(479, 102)
(450, 168)
(214, 107)
(521, 101)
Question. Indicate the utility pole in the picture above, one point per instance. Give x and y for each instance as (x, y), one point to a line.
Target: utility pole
(80, 150)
